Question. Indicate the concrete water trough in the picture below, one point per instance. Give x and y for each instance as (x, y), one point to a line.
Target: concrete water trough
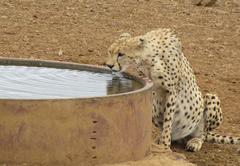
(75, 130)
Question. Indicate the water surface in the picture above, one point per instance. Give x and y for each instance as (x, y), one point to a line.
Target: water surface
(22, 82)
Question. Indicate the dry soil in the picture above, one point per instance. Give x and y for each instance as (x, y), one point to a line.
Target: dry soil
(82, 30)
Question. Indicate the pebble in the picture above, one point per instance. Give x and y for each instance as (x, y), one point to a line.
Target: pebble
(10, 32)
(25, 38)
(61, 13)
(31, 19)
(4, 17)
(191, 44)
(60, 52)
(210, 39)
(236, 10)
(54, 40)
(68, 14)
(14, 48)
(225, 43)
(114, 24)
(220, 24)
(41, 16)
(204, 2)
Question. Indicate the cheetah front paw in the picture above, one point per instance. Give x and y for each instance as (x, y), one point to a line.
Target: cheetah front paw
(194, 144)
(161, 141)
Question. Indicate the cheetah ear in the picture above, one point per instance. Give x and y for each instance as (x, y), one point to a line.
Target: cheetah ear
(124, 35)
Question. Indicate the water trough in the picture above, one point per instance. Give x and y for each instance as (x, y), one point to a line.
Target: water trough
(75, 130)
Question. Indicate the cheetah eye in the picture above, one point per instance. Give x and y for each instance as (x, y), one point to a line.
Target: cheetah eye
(120, 55)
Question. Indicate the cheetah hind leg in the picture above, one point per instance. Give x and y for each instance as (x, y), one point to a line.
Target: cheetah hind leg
(212, 118)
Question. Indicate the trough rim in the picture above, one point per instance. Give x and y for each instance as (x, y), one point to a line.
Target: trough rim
(147, 83)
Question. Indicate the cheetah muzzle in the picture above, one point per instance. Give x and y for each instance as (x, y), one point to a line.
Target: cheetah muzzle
(179, 109)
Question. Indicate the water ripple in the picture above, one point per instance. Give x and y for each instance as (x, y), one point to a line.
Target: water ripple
(22, 82)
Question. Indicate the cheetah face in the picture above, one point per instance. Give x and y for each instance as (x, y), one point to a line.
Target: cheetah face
(124, 53)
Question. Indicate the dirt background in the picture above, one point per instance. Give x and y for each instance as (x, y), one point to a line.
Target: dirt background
(82, 30)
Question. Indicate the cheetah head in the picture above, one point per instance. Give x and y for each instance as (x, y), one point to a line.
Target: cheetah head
(125, 52)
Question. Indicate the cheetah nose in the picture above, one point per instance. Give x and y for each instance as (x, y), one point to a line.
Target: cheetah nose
(110, 66)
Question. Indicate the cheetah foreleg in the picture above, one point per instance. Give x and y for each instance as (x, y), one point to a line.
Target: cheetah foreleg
(169, 110)
(198, 137)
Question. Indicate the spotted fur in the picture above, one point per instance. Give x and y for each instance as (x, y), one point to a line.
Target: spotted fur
(179, 109)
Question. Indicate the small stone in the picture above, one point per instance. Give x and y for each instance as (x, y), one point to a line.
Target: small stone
(114, 24)
(14, 48)
(54, 40)
(90, 50)
(26, 39)
(61, 13)
(210, 39)
(222, 31)
(3, 164)
(4, 17)
(191, 44)
(10, 32)
(219, 24)
(30, 19)
(197, 2)
(186, 12)
(41, 16)
(68, 14)
(225, 43)
(197, 72)
(236, 10)
(210, 55)
(204, 2)
(60, 52)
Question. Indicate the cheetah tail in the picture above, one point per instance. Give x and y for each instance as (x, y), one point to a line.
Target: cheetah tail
(217, 138)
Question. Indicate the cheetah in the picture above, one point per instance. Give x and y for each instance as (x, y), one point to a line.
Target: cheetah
(180, 111)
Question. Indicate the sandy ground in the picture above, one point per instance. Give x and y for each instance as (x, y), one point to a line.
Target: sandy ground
(82, 30)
